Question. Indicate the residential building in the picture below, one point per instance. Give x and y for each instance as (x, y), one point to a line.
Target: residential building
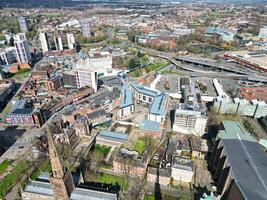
(22, 48)
(53, 83)
(160, 176)
(236, 106)
(126, 103)
(150, 128)
(109, 138)
(45, 45)
(143, 94)
(128, 162)
(97, 117)
(85, 75)
(58, 43)
(263, 32)
(189, 122)
(8, 56)
(238, 163)
(71, 40)
(7, 88)
(86, 27)
(23, 24)
(182, 170)
(158, 108)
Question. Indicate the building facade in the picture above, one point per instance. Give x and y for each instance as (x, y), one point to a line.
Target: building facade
(23, 25)
(45, 44)
(86, 27)
(22, 49)
(58, 43)
(71, 40)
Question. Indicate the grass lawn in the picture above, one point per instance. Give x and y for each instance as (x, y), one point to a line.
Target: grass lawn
(44, 167)
(4, 165)
(106, 178)
(12, 178)
(102, 149)
(139, 146)
(157, 66)
(149, 197)
(22, 74)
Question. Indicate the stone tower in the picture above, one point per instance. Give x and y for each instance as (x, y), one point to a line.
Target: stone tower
(62, 181)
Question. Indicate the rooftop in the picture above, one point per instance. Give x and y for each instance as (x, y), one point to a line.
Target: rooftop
(126, 97)
(145, 90)
(39, 187)
(184, 164)
(247, 160)
(157, 106)
(150, 125)
(113, 136)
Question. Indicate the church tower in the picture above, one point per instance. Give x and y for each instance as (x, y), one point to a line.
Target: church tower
(62, 182)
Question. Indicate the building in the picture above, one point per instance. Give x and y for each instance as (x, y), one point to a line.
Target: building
(143, 94)
(126, 103)
(238, 164)
(86, 27)
(150, 128)
(182, 170)
(71, 40)
(58, 43)
(23, 25)
(6, 91)
(97, 117)
(22, 48)
(45, 44)
(69, 79)
(53, 83)
(263, 32)
(109, 138)
(158, 108)
(222, 33)
(189, 122)
(85, 75)
(160, 176)
(8, 56)
(128, 162)
(243, 107)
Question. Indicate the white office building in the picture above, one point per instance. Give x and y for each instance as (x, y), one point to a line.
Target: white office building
(86, 27)
(44, 42)
(8, 55)
(85, 74)
(23, 24)
(22, 48)
(71, 40)
(189, 122)
(58, 43)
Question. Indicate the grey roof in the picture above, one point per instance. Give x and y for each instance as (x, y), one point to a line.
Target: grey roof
(157, 107)
(150, 125)
(113, 136)
(22, 111)
(184, 164)
(145, 90)
(248, 166)
(85, 194)
(39, 187)
(96, 114)
(126, 97)
(161, 172)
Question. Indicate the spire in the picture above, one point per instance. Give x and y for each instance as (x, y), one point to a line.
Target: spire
(62, 182)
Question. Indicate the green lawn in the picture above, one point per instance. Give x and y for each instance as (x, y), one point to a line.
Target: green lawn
(106, 178)
(149, 197)
(102, 149)
(155, 67)
(4, 165)
(139, 146)
(22, 74)
(44, 167)
(12, 178)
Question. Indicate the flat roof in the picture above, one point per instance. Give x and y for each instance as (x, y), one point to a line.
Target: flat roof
(86, 194)
(247, 160)
(187, 112)
(39, 187)
(145, 90)
(150, 125)
(110, 135)
(158, 103)
(126, 97)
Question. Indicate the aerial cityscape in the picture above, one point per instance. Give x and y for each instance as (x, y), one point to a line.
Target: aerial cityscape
(133, 100)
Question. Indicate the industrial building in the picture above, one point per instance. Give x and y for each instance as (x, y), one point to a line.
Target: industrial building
(238, 164)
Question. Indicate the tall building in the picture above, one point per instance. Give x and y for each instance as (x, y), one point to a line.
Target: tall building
(62, 181)
(85, 74)
(22, 48)
(23, 24)
(58, 43)
(263, 32)
(44, 42)
(86, 28)
(71, 40)
(8, 56)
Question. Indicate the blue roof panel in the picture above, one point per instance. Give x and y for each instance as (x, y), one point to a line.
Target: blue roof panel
(126, 97)
(144, 90)
(157, 107)
(150, 125)
(113, 136)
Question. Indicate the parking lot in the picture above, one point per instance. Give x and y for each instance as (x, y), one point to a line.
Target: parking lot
(173, 82)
